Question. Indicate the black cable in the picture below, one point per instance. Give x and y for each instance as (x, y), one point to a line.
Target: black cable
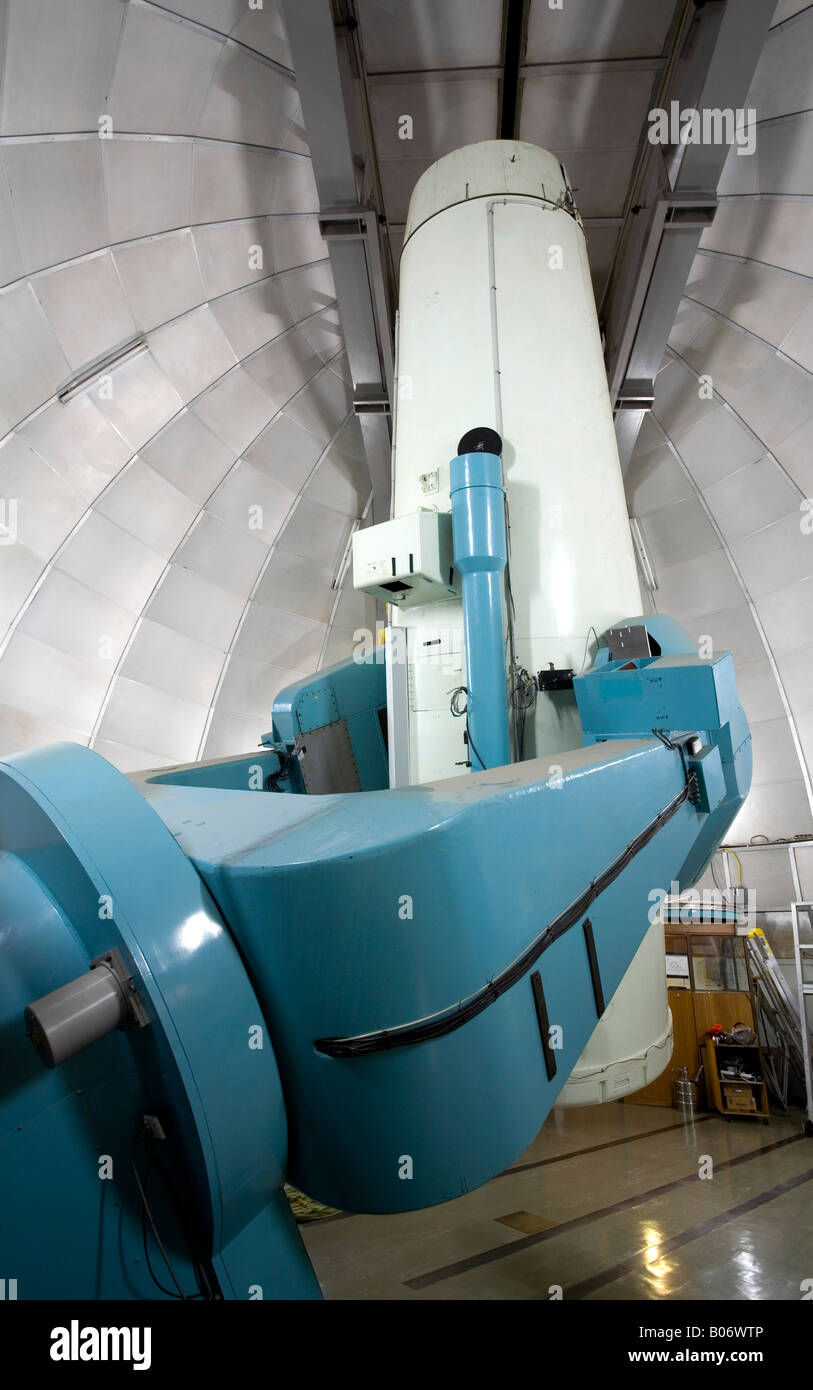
(458, 713)
(448, 1020)
(146, 1215)
(473, 746)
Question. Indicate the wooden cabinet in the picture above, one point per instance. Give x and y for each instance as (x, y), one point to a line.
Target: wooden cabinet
(734, 1095)
(693, 1013)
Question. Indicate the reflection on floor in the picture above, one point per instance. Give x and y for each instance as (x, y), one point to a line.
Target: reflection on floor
(607, 1203)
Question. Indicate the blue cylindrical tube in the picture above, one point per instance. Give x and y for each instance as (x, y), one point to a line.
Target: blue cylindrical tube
(480, 554)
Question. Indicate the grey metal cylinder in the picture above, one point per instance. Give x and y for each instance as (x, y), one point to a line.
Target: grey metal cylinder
(75, 1015)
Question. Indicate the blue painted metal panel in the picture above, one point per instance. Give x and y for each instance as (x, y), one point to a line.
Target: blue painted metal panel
(354, 690)
(78, 834)
(365, 913)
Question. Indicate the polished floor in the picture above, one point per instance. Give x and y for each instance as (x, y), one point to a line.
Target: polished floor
(607, 1203)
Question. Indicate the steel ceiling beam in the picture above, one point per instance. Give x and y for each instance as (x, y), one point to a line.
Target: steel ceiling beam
(330, 83)
(673, 198)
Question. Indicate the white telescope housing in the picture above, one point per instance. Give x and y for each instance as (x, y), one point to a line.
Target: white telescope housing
(498, 328)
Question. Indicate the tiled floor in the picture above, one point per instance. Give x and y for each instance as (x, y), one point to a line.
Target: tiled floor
(605, 1204)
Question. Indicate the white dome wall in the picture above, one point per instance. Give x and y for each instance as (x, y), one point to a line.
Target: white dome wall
(148, 607)
(720, 485)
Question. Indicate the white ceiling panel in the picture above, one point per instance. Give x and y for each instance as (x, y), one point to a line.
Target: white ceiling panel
(580, 29)
(600, 179)
(190, 456)
(401, 35)
(758, 692)
(677, 402)
(49, 683)
(680, 531)
(236, 409)
(32, 365)
(58, 63)
(654, 479)
(142, 717)
(165, 659)
(105, 558)
(23, 730)
(144, 504)
(322, 406)
(148, 184)
(11, 261)
(317, 533)
(308, 289)
(778, 810)
(733, 630)
(764, 302)
(163, 73)
(65, 296)
(710, 277)
(324, 334)
(284, 639)
(775, 756)
(224, 554)
(254, 316)
(715, 446)
(253, 502)
(286, 452)
(727, 356)
(776, 403)
(249, 102)
(193, 352)
(354, 610)
(264, 31)
(58, 199)
(784, 77)
(340, 482)
(751, 498)
(777, 555)
(585, 110)
(692, 588)
(445, 115)
(192, 605)
(296, 584)
(229, 731)
(161, 278)
(78, 621)
(128, 759)
(228, 254)
(221, 15)
(296, 241)
(690, 319)
(798, 343)
(78, 443)
(249, 688)
(142, 400)
(796, 456)
(785, 615)
(235, 181)
(281, 368)
(796, 670)
(21, 569)
(47, 508)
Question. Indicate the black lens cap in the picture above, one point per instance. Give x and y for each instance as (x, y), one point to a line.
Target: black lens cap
(480, 440)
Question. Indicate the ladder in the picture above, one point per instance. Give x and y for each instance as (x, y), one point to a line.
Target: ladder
(776, 1017)
(804, 990)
